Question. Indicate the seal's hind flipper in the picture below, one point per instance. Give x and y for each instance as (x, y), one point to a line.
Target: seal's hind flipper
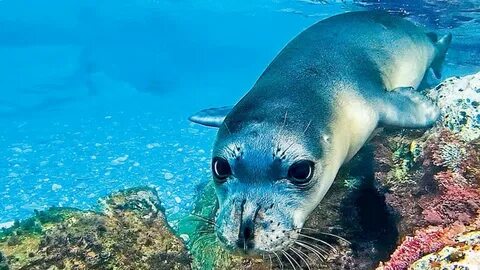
(212, 117)
(441, 48)
(406, 108)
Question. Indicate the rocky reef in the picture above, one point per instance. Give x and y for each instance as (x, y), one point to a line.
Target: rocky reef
(431, 181)
(409, 200)
(130, 232)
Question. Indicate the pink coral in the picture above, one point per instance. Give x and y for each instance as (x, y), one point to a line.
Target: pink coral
(444, 178)
(457, 200)
(424, 242)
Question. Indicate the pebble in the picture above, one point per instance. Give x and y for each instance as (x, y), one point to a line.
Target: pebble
(56, 187)
(120, 160)
(167, 176)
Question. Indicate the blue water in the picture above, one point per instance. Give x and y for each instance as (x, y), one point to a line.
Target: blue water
(95, 95)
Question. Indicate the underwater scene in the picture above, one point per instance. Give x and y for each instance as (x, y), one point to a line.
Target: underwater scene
(268, 134)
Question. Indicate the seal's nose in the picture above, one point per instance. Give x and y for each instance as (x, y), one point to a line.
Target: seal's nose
(246, 235)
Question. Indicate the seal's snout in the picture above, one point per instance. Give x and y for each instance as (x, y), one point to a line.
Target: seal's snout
(246, 235)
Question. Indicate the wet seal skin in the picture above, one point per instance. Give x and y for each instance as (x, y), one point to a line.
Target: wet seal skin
(280, 147)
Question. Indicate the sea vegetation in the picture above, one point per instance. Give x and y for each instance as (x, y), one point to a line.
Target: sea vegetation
(129, 233)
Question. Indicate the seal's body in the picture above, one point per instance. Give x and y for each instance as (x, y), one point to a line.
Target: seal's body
(279, 149)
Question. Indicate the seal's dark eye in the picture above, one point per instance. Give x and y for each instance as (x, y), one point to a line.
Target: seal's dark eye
(221, 169)
(301, 171)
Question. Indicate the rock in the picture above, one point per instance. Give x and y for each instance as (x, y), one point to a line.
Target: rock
(168, 176)
(119, 160)
(7, 224)
(3, 262)
(464, 254)
(431, 179)
(459, 101)
(56, 187)
(448, 247)
(129, 233)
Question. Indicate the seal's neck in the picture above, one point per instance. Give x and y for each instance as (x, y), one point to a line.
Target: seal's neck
(353, 123)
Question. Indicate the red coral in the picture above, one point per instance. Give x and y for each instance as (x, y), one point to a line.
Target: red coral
(445, 179)
(424, 242)
(455, 205)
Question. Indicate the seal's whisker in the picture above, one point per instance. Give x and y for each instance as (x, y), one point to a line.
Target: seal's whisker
(320, 241)
(201, 237)
(206, 232)
(277, 144)
(279, 259)
(329, 234)
(320, 255)
(308, 125)
(293, 258)
(271, 263)
(225, 123)
(300, 256)
(206, 220)
(231, 151)
(289, 260)
(284, 120)
(316, 247)
(286, 149)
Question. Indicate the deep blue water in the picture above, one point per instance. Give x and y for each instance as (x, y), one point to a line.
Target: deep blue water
(95, 95)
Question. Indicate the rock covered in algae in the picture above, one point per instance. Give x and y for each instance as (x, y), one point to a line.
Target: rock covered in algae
(129, 233)
(431, 179)
(463, 254)
(459, 101)
(456, 246)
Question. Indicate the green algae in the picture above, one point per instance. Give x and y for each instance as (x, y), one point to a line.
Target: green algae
(206, 250)
(129, 233)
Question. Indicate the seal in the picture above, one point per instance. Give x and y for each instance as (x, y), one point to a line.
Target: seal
(280, 147)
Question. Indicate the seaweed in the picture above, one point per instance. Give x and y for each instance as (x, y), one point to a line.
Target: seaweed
(130, 232)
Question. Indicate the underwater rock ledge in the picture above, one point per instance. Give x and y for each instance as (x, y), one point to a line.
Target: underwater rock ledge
(130, 232)
(431, 182)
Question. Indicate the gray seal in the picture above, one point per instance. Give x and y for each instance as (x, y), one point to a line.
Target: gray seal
(280, 147)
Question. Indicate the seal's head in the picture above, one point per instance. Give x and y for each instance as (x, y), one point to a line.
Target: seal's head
(267, 182)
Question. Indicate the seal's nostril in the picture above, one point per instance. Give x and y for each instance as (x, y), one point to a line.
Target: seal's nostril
(246, 230)
(248, 233)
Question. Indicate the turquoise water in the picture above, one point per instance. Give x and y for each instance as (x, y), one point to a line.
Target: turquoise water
(95, 95)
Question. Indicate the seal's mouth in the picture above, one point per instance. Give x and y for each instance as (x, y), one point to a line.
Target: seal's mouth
(301, 249)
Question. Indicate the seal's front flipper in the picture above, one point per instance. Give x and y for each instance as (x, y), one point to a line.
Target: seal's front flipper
(211, 117)
(441, 48)
(406, 108)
